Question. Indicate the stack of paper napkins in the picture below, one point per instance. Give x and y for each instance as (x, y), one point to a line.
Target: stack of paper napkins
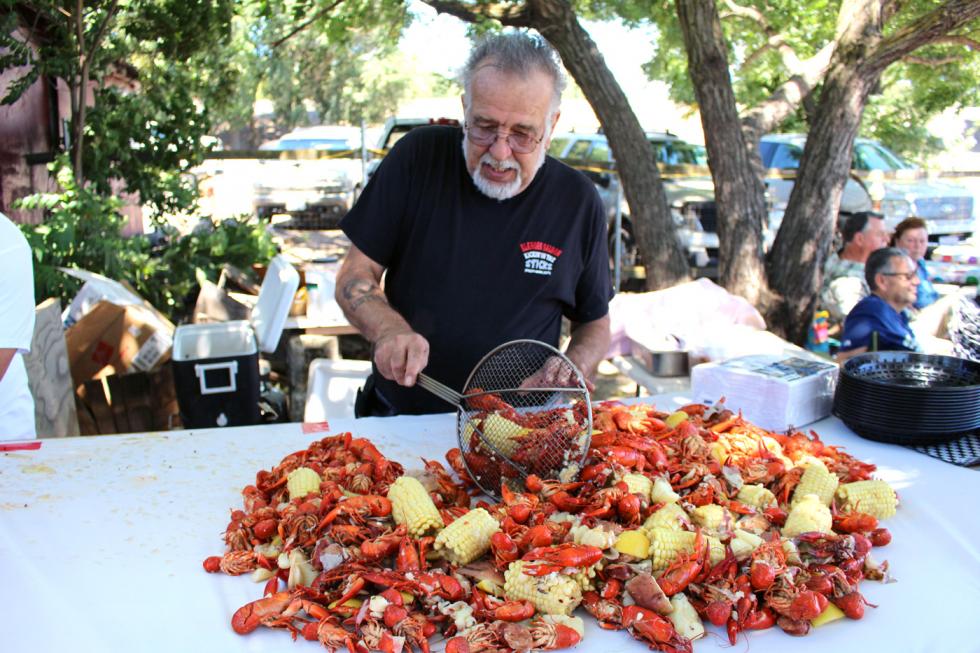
(773, 391)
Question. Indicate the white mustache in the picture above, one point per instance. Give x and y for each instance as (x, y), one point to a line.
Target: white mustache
(496, 164)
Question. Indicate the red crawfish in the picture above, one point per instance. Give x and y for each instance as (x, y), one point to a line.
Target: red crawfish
(547, 560)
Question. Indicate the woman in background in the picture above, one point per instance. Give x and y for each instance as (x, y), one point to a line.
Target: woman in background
(911, 235)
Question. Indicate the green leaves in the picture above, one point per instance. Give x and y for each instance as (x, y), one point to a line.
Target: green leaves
(84, 229)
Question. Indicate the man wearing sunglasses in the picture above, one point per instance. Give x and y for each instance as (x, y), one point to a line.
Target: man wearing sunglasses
(880, 321)
(480, 236)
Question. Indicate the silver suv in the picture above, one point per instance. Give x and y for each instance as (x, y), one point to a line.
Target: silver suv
(880, 181)
(690, 193)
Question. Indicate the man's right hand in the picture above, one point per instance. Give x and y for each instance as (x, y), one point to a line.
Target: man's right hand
(401, 356)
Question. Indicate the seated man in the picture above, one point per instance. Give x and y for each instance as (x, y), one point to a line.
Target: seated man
(880, 321)
(843, 274)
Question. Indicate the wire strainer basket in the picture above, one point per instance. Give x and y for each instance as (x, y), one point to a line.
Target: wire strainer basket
(526, 410)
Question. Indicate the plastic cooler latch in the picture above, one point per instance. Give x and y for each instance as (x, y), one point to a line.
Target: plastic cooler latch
(223, 376)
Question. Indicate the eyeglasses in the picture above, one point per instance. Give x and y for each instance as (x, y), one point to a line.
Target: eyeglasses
(519, 142)
(908, 275)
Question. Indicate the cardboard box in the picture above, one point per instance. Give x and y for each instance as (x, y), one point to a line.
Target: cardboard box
(776, 392)
(112, 339)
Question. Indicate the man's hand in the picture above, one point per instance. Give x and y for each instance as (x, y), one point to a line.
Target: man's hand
(555, 373)
(401, 356)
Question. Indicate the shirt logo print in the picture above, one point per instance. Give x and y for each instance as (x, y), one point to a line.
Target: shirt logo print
(539, 257)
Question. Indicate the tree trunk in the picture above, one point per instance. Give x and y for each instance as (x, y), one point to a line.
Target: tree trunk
(636, 165)
(739, 191)
(556, 21)
(803, 243)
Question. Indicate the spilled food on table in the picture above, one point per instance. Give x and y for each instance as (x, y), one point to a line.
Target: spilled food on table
(674, 520)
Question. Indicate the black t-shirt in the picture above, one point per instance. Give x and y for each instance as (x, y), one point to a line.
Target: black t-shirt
(469, 272)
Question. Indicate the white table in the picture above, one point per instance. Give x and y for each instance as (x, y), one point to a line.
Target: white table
(102, 539)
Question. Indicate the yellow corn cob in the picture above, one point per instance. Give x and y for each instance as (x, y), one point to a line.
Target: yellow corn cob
(757, 496)
(550, 594)
(818, 480)
(666, 544)
(598, 536)
(638, 484)
(412, 506)
(502, 433)
(711, 517)
(584, 576)
(670, 516)
(809, 514)
(685, 618)
(467, 538)
(875, 498)
(302, 481)
(661, 492)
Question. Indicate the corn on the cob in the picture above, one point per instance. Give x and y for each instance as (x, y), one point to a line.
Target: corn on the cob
(638, 484)
(467, 538)
(661, 492)
(757, 496)
(685, 618)
(818, 480)
(809, 514)
(583, 576)
(711, 517)
(412, 506)
(550, 594)
(670, 516)
(598, 536)
(502, 433)
(666, 544)
(875, 498)
(302, 481)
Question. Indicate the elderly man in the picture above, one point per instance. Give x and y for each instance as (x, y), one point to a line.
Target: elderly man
(844, 282)
(880, 321)
(481, 237)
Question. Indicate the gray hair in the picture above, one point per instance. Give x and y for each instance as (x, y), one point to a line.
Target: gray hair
(880, 261)
(516, 53)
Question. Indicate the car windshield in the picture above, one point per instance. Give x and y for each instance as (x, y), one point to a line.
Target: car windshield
(871, 156)
(675, 153)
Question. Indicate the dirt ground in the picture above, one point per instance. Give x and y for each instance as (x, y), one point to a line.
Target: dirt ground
(310, 245)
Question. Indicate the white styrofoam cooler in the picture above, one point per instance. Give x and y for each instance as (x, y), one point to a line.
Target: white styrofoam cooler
(776, 392)
(332, 388)
(216, 366)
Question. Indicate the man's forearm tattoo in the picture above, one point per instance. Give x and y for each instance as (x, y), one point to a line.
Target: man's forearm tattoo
(359, 291)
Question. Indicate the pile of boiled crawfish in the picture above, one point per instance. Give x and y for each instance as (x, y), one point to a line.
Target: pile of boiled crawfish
(370, 586)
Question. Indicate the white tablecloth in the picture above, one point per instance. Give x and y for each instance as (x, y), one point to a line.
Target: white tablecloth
(102, 540)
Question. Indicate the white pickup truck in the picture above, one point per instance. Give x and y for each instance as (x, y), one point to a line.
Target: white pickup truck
(316, 178)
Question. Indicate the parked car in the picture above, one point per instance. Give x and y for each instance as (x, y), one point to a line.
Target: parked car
(880, 181)
(690, 194)
(316, 190)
